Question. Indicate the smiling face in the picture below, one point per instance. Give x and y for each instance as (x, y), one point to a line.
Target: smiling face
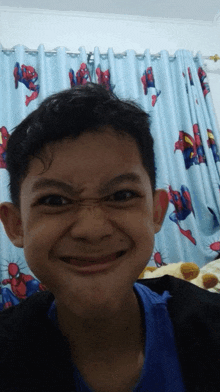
(92, 220)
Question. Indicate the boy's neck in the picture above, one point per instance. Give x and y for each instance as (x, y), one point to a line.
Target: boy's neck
(108, 352)
(117, 334)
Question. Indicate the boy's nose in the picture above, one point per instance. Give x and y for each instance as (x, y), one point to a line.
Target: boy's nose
(89, 202)
(92, 221)
(92, 210)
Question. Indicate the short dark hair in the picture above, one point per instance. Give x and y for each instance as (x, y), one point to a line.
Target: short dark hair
(68, 114)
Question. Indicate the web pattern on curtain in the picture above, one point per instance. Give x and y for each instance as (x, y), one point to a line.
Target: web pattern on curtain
(176, 94)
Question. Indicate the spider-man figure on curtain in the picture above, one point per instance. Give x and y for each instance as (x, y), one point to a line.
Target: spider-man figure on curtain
(199, 146)
(205, 87)
(104, 78)
(21, 287)
(192, 148)
(211, 143)
(27, 75)
(183, 207)
(148, 81)
(4, 136)
(82, 76)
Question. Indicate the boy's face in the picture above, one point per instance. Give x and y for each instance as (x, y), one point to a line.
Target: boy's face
(103, 223)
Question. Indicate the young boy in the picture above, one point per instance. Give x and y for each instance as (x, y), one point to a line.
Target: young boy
(96, 328)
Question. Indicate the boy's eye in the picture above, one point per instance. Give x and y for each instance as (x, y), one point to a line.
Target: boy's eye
(51, 197)
(121, 195)
(56, 199)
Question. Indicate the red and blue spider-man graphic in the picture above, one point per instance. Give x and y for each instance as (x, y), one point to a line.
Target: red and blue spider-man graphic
(198, 143)
(104, 78)
(148, 82)
(205, 87)
(202, 75)
(187, 145)
(22, 286)
(183, 207)
(211, 143)
(82, 76)
(216, 247)
(190, 78)
(4, 136)
(27, 75)
(192, 148)
(158, 259)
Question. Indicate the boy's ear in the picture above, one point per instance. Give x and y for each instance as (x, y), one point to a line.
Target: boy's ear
(11, 219)
(161, 202)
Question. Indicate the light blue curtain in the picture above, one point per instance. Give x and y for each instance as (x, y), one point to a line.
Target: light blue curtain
(175, 92)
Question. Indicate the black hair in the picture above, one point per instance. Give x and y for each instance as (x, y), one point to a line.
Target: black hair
(68, 114)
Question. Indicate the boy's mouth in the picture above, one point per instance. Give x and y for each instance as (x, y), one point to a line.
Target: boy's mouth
(80, 262)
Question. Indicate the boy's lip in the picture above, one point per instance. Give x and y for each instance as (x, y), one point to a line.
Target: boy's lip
(98, 265)
(93, 259)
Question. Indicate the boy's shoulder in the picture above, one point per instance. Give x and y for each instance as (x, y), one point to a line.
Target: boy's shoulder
(194, 312)
(17, 320)
(177, 287)
(32, 349)
(37, 302)
(184, 294)
(186, 300)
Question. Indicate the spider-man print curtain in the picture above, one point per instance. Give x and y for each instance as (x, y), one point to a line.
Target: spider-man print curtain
(176, 94)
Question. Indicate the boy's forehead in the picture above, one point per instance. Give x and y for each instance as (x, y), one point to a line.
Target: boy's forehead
(71, 162)
(92, 145)
(43, 183)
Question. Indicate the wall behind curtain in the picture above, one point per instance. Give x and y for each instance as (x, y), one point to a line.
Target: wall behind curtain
(31, 27)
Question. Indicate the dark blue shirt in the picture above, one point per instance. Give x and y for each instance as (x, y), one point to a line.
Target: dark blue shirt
(161, 369)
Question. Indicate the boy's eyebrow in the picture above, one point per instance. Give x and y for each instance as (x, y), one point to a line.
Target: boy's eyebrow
(44, 183)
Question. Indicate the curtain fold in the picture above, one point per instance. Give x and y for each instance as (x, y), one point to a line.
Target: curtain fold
(176, 94)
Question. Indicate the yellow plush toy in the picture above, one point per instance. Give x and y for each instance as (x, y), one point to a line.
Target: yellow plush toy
(185, 271)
